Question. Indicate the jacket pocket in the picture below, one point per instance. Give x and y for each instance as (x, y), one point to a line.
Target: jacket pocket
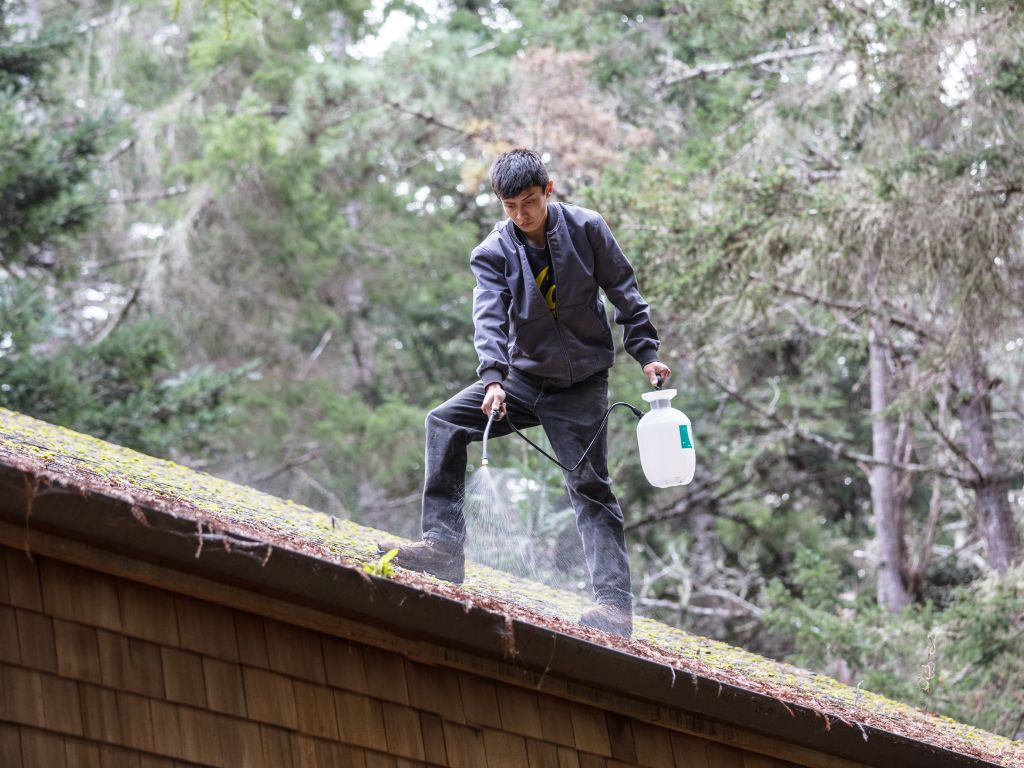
(586, 334)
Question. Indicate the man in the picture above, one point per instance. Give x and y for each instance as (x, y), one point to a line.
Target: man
(545, 347)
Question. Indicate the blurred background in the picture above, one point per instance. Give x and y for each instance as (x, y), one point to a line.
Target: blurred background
(237, 235)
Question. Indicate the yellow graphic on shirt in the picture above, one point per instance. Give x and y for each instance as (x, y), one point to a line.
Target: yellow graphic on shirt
(546, 282)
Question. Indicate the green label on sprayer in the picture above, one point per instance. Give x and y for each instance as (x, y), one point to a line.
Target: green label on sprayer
(684, 436)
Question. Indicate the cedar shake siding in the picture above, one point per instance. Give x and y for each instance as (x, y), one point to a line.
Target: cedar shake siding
(98, 669)
(155, 616)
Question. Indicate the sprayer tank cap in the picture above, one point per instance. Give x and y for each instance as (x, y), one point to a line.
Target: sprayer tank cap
(661, 394)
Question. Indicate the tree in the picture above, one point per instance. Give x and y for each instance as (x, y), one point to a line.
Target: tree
(121, 383)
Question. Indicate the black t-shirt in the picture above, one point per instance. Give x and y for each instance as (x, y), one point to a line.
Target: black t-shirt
(543, 273)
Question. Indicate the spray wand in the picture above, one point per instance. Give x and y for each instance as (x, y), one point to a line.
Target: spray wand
(485, 460)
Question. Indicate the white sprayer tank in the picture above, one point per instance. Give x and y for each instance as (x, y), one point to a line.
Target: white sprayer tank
(666, 442)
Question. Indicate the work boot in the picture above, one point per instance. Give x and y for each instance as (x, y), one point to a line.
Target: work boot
(609, 618)
(428, 556)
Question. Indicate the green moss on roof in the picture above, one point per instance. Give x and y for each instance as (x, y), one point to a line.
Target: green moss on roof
(64, 456)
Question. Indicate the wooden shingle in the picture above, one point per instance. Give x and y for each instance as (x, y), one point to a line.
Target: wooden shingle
(10, 650)
(750, 760)
(294, 651)
(82, 754)
(39, 748)
(504, 750)
(199, 739)
(360, 720)
(136, 721)
(722, 756)
(10, 741)
(206, 628)
(689, 751)
(100, 720)
(78, 651)
(225, 691)
(590, 730)
(5, 589)
(435, 690)
(620, 735)
(303, 751)
(465, 746)
(402, 731)
(251, 639)
(653, 746)
(432, 728)
(343, 661)
(520, 711)
(22, 701)
(24, 590)
(330, 753)
(148, 613)
(167, 735)
(269, 697)
(122, 758)
(568, 758)
(379, 760)
(314, 708)
(62, 710)
(241, 742)
(279, 747)
(541, 754)
(129, 664)
(556, 720)
(78, 594)
(385, 675)
(183, 677)
(479, 700)
(35, 641)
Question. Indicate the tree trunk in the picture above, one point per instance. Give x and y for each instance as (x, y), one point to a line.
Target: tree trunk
(892, 592)
(991, 491)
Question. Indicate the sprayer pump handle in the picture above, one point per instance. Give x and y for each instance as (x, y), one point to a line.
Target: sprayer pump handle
(659, 380)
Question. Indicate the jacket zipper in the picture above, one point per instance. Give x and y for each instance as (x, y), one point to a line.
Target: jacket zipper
(525, 262)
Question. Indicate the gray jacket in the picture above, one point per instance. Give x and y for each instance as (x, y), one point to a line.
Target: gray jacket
(515, 327)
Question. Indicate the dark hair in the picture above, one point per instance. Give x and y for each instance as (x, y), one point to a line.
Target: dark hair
(516, 170)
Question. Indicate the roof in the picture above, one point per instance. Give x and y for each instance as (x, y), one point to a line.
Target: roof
(137, 504)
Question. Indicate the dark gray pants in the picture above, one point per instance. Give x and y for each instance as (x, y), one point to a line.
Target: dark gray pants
(570, 417)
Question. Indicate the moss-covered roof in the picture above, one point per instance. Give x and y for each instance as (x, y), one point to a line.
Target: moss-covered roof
(66, 457)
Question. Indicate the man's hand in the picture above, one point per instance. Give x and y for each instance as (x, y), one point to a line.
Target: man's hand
(653, 370)
(494, 397)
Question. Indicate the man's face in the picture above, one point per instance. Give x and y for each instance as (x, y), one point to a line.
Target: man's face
(529, 210)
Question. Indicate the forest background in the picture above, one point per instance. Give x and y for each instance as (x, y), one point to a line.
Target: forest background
(237, 235)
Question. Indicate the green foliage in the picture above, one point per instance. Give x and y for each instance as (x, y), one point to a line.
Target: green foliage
(125, 389)
(47, 189)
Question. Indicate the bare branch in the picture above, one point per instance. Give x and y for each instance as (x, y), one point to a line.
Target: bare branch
(147, 197)
(853, 307)
(770, 57)
(837, 448)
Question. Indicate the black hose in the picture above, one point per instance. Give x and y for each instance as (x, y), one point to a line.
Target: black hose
(604, 421)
